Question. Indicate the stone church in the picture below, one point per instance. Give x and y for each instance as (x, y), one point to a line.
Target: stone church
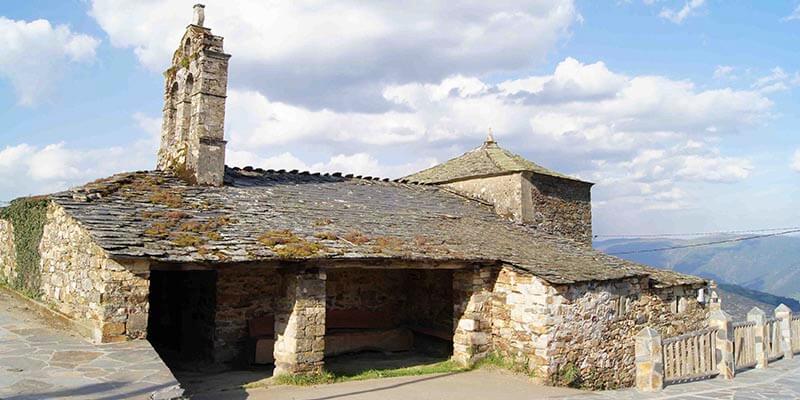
(487, 253)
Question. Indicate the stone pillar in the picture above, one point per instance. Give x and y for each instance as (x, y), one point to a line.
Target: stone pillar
(649, 361)
(784, 316)
(725, 362)
(714, 302)
(472, 295)
(300, 328)
(758, 316)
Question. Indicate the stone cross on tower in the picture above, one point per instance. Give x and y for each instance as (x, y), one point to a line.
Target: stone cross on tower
(192, 130)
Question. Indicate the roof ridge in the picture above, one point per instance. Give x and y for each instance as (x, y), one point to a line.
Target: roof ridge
(334, 174)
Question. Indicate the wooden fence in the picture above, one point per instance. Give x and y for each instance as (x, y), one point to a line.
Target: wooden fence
(744, 344)
(690, 356)
(773, 339)
(723, 349)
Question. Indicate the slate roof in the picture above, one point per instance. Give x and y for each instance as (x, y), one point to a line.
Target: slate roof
(155, 215)
(487, 160)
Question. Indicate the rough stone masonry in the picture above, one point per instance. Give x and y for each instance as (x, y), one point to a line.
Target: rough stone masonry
(489, 252)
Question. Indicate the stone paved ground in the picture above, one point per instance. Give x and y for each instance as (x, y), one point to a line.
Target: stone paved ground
(40, 361)
(780, 381)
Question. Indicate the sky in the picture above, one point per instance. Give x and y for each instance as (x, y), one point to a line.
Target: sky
(682, 112)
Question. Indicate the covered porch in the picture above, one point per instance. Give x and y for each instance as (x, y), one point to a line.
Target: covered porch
(298, 316)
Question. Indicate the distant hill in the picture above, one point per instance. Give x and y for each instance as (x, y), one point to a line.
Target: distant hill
(763, 272)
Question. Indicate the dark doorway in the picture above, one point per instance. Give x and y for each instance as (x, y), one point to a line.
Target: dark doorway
(181, 320)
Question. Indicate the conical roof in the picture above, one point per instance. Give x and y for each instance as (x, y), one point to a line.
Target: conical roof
(487, 160)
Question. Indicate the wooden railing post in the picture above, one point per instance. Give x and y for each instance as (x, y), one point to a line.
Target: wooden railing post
(784, 316)
(724, 352)
(649, 361)
(760, 331)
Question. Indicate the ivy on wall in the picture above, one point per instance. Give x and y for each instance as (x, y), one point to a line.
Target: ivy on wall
(27, 216)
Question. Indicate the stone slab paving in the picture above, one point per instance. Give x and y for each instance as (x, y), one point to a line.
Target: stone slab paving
(781, 380)
(41, 360)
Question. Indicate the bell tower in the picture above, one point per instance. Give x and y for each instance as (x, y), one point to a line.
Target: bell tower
(193, 123)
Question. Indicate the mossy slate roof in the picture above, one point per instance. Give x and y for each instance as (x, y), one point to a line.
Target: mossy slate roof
(487, 160)
(157, 216)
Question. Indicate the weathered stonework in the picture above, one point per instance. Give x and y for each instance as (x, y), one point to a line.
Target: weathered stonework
(472, 295)
(367, 290)
(504, 192)
(587, 329)
(243, 293)
(8, 253)
(649, 360)
(552, 204)
(192, 132)
(559, 206)
(300, 327)
(80, 281)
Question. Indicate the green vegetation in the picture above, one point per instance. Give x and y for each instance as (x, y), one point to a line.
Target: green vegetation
(388, 243)
(274, 238)
(569, 375)
(288, 245)
(325, 377)
(326, 236)
(27, 216)
(493, 360)
(355, 237)
(435, 368)
(299, 380)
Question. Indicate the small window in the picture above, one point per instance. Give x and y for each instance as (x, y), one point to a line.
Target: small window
(187, 47)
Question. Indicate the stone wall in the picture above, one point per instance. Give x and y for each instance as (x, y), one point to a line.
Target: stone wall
(554, 205)
(560, 206)
(80, 281)
(367, 290)
(8, 254)
(430, 299)
(504, 192)
(584, 334)
(243, 293)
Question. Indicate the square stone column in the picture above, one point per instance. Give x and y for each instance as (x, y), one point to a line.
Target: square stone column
(784, 316)
(758, 316)
(725, 361)
(649, 361)
(472, 296)
(300, 327)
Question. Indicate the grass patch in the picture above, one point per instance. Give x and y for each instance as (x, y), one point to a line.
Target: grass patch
(327, 377)
(300, 379)
(442, 367)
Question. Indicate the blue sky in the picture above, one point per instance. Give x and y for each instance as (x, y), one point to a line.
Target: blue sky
(683, 112)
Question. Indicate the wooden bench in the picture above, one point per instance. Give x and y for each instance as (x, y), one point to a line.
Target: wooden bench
(262, 336)
(349, 331)
(437, 333)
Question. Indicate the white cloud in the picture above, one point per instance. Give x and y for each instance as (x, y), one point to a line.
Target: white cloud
(795, 164)
(34, 55)
(357, 163)
(678, 16)
(28, 169)
(795, 15)
(340, 55)
(724, 72)
(776, 81)
(646, 140)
